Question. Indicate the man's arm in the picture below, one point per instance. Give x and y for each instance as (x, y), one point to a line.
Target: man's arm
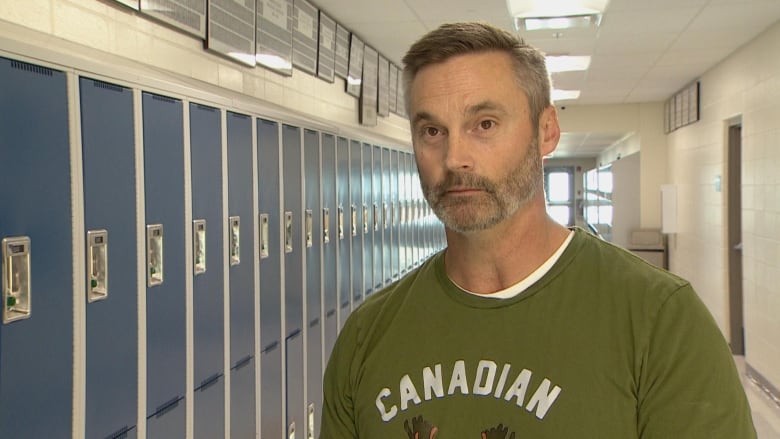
(689, 386)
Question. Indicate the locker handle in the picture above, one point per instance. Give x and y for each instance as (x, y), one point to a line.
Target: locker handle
(340, 224)
(310, 432)
(291, 431)
(154, 254)
(376, 217)
(235, 240)
(325, 225)
(97, 265)
(288, 232)
(385, 215)
(264, 218)
(309, 228)
(17, 303)
(365, 219)
(354, 220)
(199, 246)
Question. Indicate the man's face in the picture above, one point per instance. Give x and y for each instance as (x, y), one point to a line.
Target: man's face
(476, 151)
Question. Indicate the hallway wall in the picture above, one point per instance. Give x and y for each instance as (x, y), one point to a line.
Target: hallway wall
(748, 84)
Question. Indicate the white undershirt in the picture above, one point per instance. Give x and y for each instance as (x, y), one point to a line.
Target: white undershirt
(521, 286)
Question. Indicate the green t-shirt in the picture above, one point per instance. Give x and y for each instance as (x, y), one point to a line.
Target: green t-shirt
(603, 346)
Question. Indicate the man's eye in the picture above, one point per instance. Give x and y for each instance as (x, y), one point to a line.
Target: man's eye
(487, 124)
(431, 131)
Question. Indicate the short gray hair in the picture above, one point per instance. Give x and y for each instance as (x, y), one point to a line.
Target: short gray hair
(454, 39)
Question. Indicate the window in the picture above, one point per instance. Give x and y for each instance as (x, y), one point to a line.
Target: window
(559, 192)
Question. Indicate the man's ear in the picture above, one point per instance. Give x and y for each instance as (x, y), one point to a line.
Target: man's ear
(549, 131)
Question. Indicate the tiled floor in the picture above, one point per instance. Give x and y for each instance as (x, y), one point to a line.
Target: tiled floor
(766, 413)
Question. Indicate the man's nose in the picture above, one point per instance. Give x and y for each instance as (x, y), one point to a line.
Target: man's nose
(459, 153)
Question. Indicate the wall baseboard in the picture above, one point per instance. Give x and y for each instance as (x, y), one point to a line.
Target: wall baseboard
(768, 388)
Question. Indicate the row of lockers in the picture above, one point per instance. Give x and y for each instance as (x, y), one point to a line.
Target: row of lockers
(140, 225)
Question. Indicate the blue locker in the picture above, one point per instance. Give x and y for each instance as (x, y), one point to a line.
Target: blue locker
(163, 139)
(294, 244)
(108, 148)
(395, 223)
(313, 230)
(402, 213)
(330, 237)
(242, 275)
(372, 260)
(344, 227)
(385, 170)
(268, 192)
(36, 350)
(406, 232)
(359, 226)
(208, 288)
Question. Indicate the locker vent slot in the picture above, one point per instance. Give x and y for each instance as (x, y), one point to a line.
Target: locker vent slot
(314, 323)
(32, 68)
(165, 408)
(295, 333)
(107, 86)
(165, 99)
(120, 434)
(331, 313)
(270, 347)
(204, 107)
(208, 382)
(242, 362)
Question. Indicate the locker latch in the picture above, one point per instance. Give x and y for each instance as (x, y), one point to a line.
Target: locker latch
(310, 432)
(199, 246)
(235, 240)
(264, 235)
(325, 225)
(340, 225)
(288, 232)
(154, 256)
(97, 265)
(309, 228)
(16, 279)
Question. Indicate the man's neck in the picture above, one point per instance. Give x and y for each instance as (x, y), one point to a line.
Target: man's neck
(492, 260)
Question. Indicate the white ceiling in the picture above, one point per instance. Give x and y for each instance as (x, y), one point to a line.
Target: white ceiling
(644, 50)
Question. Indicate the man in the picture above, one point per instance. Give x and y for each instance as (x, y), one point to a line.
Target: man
(521, 328)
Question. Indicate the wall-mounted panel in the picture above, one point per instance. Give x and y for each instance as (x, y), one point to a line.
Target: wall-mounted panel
(231, 29)
(305, 36)
(269, 202)
(108, 149)
(209, 259)
(241, 235)
(163, 142)
(273, 38)
(36, 334)
(186, 15)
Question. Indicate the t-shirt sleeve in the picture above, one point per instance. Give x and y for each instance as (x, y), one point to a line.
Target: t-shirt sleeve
(338, 414)
(689, 386)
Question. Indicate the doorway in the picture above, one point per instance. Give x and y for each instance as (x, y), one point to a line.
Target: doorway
(734, 200)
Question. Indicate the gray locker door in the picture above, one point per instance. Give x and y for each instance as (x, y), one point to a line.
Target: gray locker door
(242, 275)
(330, 258)
(208, 288)
(314, 246)
(358, 222)
(395, 202)
(268, 187)
(36, 352)
(163, 140)
(293, 277)
(387, 220)
(344, 229)
(108, 148)
(372, 259)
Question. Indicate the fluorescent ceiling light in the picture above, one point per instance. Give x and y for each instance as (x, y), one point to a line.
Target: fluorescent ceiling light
(558, 22)
(564, 95)
(555, 8)
(557, 64)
